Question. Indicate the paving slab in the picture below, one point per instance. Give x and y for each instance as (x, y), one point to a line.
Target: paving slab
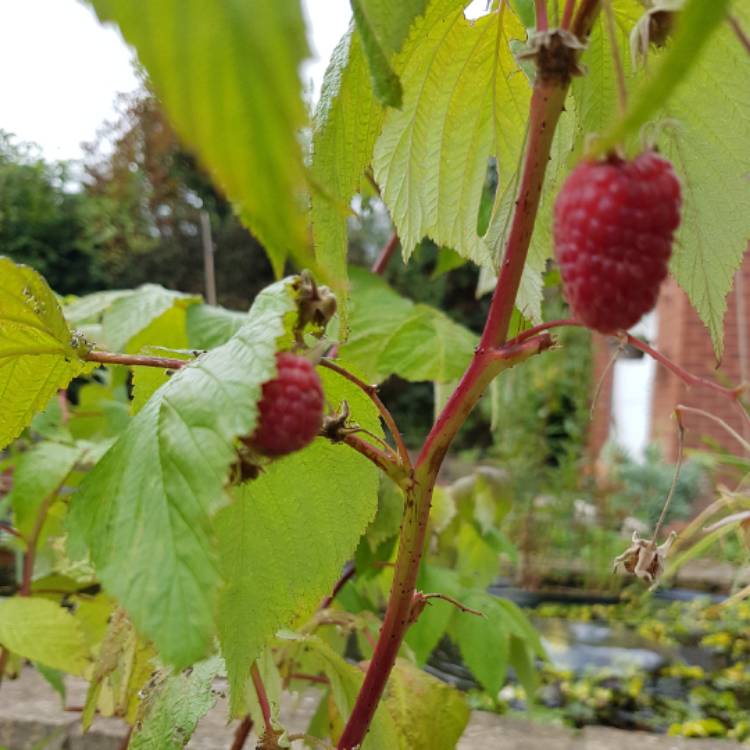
(599, 738)
(30, 712)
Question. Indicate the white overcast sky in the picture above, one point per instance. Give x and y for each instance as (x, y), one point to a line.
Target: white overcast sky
(61, 69)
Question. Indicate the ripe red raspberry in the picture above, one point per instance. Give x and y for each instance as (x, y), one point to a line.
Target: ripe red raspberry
(291, 408)
(614, 223)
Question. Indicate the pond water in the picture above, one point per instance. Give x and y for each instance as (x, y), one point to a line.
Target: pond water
(652, 670)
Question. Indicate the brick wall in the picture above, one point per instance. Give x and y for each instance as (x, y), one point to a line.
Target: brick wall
(684, 339)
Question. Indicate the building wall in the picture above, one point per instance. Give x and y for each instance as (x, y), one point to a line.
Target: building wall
(683, 338)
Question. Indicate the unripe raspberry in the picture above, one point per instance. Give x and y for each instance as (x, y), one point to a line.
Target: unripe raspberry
(614, 225)
(291, 408)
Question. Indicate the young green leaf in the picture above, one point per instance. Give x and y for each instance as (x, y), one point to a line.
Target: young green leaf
(283, 541)
(345, 681)
(173, 705)
(429, 714)
(144, 510)
(484, 641)
(89, 309)
(697, 22)
(425, 634)
(41, 630)
(465, 100)
(390, 334)
(228, 76)
(428, 345)
(521, 658)
(37, 355)
(347, 121)
(209, 326)
(709, 146)
(126, 322)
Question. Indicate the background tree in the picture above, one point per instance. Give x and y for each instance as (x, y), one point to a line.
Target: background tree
(42, 218)
(145, 194)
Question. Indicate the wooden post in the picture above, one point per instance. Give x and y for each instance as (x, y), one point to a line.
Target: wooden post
(208, 258)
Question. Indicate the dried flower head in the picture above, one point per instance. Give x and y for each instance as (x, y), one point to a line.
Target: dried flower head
(643, 558)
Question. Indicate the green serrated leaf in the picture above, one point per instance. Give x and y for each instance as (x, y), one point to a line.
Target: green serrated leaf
(173, 706)
(228, 77)
(41, 630)
(429, 714)
(383, 26)
(209, 326)
(36, 354)
(37, 476)
(347, 121)
(465, 100)
(595, 93)
(283, 542)
(696, 23)
(710, 147)
(484, 641)
(144, 510)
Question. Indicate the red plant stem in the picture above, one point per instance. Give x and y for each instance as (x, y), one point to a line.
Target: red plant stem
(542, 24)
(567, 16)
(30, 555)
(372, 392)
(4, 655)
(382, 261)
(242, 733)
(126, 739)
(485, 365)
(107, 358)
(740, 33)
(687, 377)
(546, 106)
(265, 706)
(8, 529)
(622, 89)
(318, 679)
(550, 324)
(347, 575)
(388, 464)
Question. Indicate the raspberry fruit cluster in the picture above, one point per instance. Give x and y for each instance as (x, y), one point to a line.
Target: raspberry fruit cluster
(291, 408)
(613, 232)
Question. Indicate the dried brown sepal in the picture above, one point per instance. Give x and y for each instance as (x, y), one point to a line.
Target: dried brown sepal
(336, 426)
(316, 305)
(555, 53)
(654, 28)
(644, 559)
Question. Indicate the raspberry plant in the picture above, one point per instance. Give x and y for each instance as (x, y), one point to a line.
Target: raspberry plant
(167, 545)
